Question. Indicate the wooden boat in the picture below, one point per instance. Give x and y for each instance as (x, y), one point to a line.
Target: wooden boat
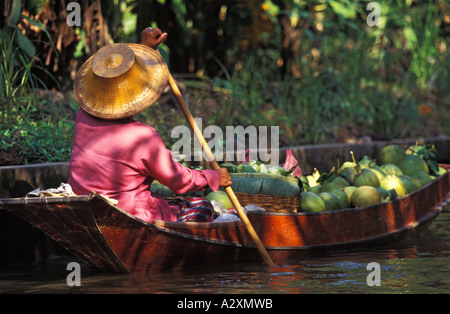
(106, 237)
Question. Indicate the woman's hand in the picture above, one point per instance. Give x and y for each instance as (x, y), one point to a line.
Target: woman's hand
(152, 37)
(225, 179)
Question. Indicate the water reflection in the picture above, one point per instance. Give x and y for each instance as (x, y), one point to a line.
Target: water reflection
(416, 265)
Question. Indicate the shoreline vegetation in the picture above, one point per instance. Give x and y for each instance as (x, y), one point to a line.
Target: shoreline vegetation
(337, 81)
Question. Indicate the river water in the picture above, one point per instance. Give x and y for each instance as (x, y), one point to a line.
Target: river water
(416, 265)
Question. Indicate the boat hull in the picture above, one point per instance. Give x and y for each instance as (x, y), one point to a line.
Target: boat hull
(106, 237)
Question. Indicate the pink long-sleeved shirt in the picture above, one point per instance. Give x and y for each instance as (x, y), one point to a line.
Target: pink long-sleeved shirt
(121, 158)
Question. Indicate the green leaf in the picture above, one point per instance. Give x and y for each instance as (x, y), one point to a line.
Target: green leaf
(434, 167)
(25, 44)
(410, 36)
(15, 13)
(348, 12)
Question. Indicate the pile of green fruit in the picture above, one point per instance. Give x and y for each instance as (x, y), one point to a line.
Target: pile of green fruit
(256, 177)
(395, 173)
(255, 166)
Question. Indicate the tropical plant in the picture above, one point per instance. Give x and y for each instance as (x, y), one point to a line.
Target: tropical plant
(23, 126)
(18, 81)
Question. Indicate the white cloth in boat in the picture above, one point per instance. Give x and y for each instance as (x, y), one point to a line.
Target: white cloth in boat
(229, 216)
(63, 190)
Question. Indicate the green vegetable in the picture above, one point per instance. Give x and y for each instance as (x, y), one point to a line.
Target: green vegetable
(265, 183)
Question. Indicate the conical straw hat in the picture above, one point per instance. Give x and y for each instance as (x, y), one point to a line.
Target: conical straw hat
(120, 80)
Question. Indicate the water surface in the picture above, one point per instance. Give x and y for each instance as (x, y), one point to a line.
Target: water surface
(416, 265)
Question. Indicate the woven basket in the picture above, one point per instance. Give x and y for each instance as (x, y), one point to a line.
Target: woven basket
(271, 203)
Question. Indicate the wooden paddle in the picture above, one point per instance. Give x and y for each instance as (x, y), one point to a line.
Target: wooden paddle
(214, 165)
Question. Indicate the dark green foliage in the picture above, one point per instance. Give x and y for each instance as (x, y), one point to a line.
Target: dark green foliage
(325, 76)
